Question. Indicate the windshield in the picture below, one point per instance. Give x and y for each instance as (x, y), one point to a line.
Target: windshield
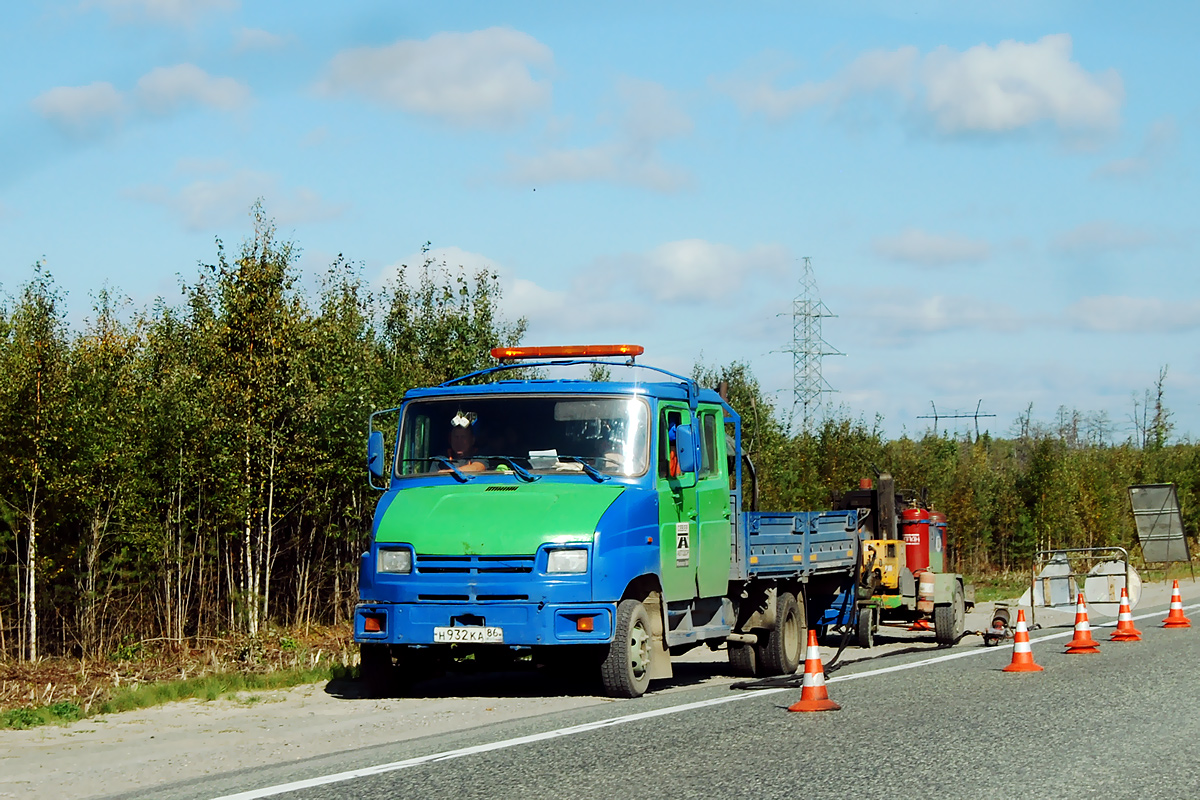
(526, 435)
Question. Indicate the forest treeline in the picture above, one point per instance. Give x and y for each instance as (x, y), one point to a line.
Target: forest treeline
(183, 472)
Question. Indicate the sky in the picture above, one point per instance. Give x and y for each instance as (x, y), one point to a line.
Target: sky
(998, 199)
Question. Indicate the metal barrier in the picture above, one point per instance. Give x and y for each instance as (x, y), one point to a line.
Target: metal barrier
(1052, 579)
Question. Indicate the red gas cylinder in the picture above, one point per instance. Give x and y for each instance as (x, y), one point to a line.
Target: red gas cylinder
(914, 525)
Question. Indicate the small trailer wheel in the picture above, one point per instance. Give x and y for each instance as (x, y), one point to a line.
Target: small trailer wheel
(866, 627)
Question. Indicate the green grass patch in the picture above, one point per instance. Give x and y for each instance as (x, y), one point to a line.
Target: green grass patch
(999, 586)
(59, 713)
(208, 687)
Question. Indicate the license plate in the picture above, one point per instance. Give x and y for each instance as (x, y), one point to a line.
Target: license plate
(473, 634)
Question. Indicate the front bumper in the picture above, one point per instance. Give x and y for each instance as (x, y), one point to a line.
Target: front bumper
(524, 624)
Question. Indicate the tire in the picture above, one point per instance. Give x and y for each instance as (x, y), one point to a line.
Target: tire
(866, 627)
(625, 671)
(783, 651)
(743, 659)
(376, 670)
(948, 619)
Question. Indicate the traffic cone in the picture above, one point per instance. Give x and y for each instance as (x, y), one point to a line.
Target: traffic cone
(1022, 660)
(921, 624)
(1083, 643)
(1125, 631)
(813, 695)
(1175, 617)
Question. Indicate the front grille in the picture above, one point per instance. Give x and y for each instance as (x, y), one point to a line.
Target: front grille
(472, 565)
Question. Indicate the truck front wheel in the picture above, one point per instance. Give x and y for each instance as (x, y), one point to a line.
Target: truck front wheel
(625, 671)
(783, 650)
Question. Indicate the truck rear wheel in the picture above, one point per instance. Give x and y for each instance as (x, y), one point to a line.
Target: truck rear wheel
(782, 652)
(376, 669)
(743, 658)
(626, 669)
(948, 620)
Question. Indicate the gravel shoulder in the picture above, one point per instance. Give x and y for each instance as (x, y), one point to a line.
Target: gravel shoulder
(136, 751)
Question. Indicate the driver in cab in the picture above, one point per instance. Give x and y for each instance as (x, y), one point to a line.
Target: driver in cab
(462, 445)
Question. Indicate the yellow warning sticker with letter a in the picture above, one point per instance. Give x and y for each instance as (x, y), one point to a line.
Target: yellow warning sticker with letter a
(683, 545)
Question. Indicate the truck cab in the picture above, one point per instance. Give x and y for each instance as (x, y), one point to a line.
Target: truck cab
(569, 499)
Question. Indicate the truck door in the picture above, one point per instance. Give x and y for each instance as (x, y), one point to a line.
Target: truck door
(712, 502)
(677, 515)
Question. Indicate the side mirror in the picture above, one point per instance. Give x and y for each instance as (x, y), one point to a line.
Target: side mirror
(375, 455)
(685, 447)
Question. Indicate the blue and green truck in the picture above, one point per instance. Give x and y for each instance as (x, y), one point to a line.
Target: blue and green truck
(597, 523)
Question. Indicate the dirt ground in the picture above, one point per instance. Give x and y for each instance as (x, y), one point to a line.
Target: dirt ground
(141, 749)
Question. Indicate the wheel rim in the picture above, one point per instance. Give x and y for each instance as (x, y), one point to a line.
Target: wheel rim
(791, 636)
(639, 650)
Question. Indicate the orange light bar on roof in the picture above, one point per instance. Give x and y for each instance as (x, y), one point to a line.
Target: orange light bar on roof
(567, 351)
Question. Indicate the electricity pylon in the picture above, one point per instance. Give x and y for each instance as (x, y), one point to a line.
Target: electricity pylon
(808, 348)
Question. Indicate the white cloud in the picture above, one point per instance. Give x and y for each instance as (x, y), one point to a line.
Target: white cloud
(482, 78)
(81, 109)
(1102, 236)
(86, 110)
(985, 89)
(551, 313)
(165, 89)
(1016, 85)
(694, 270)
(650, 115)
(179, 12)
(212, 203)
(1113, 314)
(924, 249)
(251, 39)
(875, 71)
(1159, 143)
(900, 313)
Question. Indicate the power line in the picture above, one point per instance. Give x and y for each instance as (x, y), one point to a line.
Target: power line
(935, 416)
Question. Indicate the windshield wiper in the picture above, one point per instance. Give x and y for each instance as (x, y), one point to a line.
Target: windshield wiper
(520, 471)
(458, 473)
(593, 473)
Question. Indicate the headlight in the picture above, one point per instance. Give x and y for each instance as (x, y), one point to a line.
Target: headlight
(394, 561)
(567, 561)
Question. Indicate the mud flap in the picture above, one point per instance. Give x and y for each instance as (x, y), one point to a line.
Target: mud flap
(660, 657)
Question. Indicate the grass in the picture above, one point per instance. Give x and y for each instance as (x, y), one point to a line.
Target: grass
(208, 687)
(58, 713)
(998, 586)
(1009, 585)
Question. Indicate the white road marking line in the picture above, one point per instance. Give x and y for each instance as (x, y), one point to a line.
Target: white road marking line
(449, 755)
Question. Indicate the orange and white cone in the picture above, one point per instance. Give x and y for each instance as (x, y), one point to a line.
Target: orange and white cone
(921, 624)
(1175, 617)
(1083, 643)
(813, 695)
(1125, 631)
(1022, 660)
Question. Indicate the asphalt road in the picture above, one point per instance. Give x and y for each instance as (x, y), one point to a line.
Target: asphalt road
(1121, 724)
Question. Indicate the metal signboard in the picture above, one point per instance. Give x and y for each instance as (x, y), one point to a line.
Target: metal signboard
(1159, 525)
